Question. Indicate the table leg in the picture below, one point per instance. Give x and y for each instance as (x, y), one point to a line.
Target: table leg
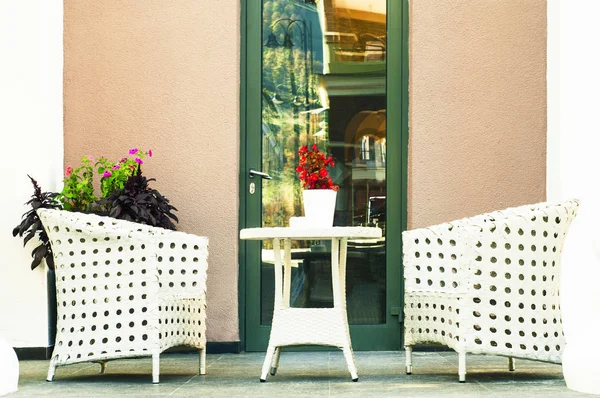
(278, 277)
(349, 356)
(273, 351)
(338, 280)
(287, 275)
(343, 254)
(335, 272)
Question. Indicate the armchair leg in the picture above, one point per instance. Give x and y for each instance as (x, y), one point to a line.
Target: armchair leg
(462, 367)
(511, 364)
(408, 352)
(155, 367)
(349, 356)
(267, 363)
(275, 361)
(51, 370)
(203, 361)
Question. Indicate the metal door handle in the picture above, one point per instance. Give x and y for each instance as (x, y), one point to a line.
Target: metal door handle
(264, 176)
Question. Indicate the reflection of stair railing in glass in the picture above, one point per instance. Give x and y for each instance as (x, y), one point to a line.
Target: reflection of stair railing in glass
(374, 47)
(354, 35)
(349, 47)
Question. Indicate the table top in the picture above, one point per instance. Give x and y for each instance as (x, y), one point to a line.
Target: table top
(310, 233)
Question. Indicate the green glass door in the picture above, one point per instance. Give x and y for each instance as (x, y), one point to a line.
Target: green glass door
(328, 73)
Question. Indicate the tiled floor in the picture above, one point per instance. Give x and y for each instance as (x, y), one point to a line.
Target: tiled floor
(308, 374)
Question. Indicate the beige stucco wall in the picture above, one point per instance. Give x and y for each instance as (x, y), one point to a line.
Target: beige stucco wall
(164, 75)
(477, 107)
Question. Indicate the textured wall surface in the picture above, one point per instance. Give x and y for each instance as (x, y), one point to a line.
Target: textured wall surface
(164, 75)
(477, 107)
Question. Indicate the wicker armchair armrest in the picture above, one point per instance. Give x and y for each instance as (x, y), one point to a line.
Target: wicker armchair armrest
(436, 258)
(182, 264)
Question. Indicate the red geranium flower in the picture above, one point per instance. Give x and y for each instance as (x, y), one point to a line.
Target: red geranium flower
(313, 168)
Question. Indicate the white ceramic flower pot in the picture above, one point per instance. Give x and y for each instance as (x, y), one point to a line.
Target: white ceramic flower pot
(319, 206)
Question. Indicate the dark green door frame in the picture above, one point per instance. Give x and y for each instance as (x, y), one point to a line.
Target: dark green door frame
(397, 105)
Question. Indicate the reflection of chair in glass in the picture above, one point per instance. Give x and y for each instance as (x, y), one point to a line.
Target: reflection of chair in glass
(124, 289)
(488, 284)
(376, 212)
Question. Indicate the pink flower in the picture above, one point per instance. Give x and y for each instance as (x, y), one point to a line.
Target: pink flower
(133, 151)
(139, 161)
(116, 167)
(68, 171)
(123, 160)
(91, 158)
(106, 174)
(150, 153)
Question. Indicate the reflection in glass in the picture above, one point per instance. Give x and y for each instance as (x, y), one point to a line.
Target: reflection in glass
(323, 83)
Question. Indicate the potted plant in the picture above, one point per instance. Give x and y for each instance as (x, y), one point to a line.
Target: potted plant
(137, 202)
(319, 193)
(125, 194)
(148, 207)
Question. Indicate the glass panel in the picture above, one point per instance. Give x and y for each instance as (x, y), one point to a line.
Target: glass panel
(323, 83)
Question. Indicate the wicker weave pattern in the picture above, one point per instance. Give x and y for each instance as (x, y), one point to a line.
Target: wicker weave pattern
(490, 283)
(124, 289)
(310, 326)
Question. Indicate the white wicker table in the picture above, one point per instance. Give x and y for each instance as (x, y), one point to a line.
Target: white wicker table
(309, 326)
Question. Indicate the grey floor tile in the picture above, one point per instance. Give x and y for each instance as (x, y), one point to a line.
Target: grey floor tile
(300, 374)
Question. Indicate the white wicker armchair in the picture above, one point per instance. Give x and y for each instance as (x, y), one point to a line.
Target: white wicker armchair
(124, 289)
(488, 284)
